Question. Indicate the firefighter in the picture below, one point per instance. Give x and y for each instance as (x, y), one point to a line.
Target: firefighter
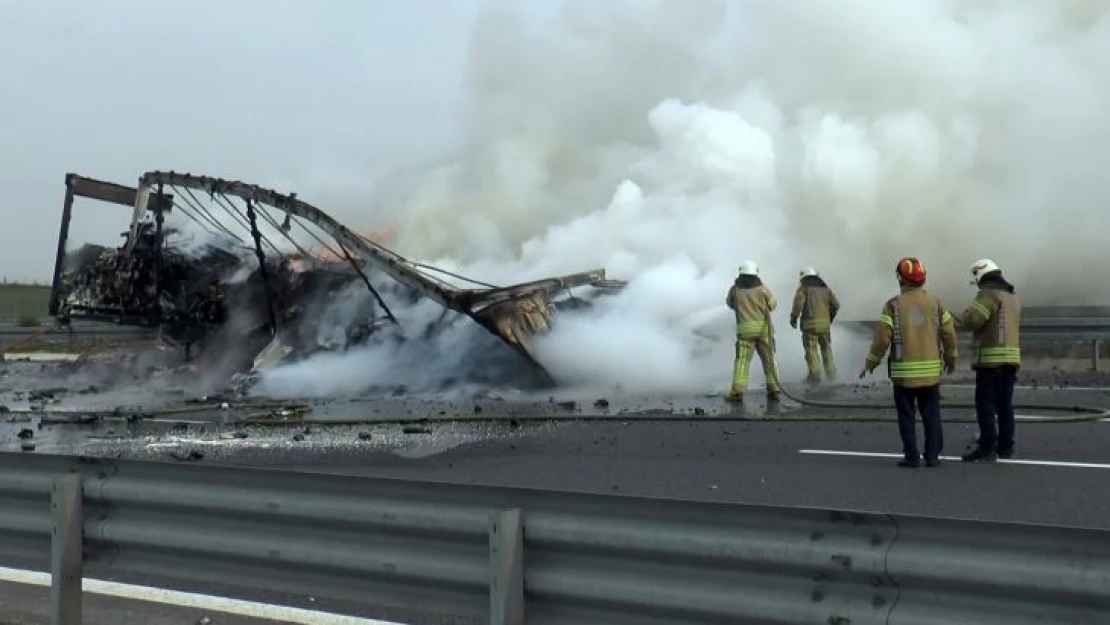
(816, 306)
(753, 303)
(915, 327)
(994, 319)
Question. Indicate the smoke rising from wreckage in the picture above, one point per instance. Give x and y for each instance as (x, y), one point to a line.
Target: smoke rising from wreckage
(234, 284)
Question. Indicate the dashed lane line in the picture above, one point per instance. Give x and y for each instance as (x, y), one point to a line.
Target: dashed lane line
(1038, 463)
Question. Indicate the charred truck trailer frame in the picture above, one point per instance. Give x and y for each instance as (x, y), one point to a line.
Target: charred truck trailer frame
(146, 282)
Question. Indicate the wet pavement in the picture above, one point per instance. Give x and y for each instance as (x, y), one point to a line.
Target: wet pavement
(161, 415)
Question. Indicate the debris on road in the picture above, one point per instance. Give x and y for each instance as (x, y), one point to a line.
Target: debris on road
(261, 296)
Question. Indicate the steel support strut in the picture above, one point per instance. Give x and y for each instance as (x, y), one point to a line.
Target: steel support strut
(256, 234)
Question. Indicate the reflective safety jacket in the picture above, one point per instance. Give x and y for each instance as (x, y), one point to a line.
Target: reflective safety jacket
(921, 336)
(752, 302)
(994, 320)
(816, 305)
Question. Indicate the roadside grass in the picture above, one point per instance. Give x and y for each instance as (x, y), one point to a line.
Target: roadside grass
(24, 304)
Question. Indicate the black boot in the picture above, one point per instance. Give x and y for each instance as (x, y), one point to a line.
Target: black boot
(980, 454)
(910, 462)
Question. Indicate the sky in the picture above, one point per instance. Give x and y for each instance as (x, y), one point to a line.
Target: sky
(301, 95)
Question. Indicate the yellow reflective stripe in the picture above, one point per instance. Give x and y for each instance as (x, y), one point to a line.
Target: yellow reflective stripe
(998, 355)
(981, 309)
(887, 320)
(816, 324)
(945, 318)
(911, 364)
(1000, 350)
(872, 359)
(916, 369)
(749, 327)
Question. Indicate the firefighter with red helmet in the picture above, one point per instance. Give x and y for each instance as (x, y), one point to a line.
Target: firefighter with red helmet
(921, 336)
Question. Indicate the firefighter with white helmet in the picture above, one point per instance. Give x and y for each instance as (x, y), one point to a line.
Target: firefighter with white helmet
(921, 336)
(815, 306)
(994, 320)
(752, 302)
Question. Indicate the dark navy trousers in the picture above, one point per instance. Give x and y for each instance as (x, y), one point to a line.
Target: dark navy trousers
(926, 400)
(994, 407)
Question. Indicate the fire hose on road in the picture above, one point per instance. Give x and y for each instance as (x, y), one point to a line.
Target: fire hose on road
(271, 412)
(1077, 413)
(293, 413)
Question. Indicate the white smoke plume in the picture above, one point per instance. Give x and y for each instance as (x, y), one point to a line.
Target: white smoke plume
(668, 141)
(196, 240)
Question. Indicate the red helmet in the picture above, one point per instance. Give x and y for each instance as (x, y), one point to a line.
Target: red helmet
(910, 272)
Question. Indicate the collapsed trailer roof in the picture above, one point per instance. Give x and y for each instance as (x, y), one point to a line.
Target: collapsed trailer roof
(125, 290)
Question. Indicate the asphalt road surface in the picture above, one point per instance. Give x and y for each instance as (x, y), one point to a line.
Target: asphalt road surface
(761, 463)
(718, 460)
(30, 605)
(145, 600)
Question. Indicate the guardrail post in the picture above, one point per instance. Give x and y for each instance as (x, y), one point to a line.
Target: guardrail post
(1096, 350)
(506, 560)
(66, 544)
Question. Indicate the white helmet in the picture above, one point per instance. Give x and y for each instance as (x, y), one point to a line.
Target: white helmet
(749, 268)
(809, 272)
(980, 268)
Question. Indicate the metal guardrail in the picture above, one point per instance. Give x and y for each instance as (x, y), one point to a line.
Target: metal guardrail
(1036, 330)
(514, 556)
(1043, 329)
(1051, 312)
(76, 332)
(1093, 330)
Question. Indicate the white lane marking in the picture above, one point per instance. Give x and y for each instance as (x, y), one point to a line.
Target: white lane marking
(1041, 387)
(1064, 414)
(195, 601)
(38, 357)
(1045, 417)
(1038, 463)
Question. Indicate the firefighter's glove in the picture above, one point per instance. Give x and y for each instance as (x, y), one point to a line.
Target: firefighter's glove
(950, 367)
(865, 370)
(794, 322)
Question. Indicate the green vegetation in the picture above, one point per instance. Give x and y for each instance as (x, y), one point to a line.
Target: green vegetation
(24, 304)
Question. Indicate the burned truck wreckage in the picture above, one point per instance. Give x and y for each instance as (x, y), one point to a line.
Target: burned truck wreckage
(223, 270)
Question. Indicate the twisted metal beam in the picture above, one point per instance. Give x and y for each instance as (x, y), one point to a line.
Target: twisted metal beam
(513, 312)
(396, 266)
